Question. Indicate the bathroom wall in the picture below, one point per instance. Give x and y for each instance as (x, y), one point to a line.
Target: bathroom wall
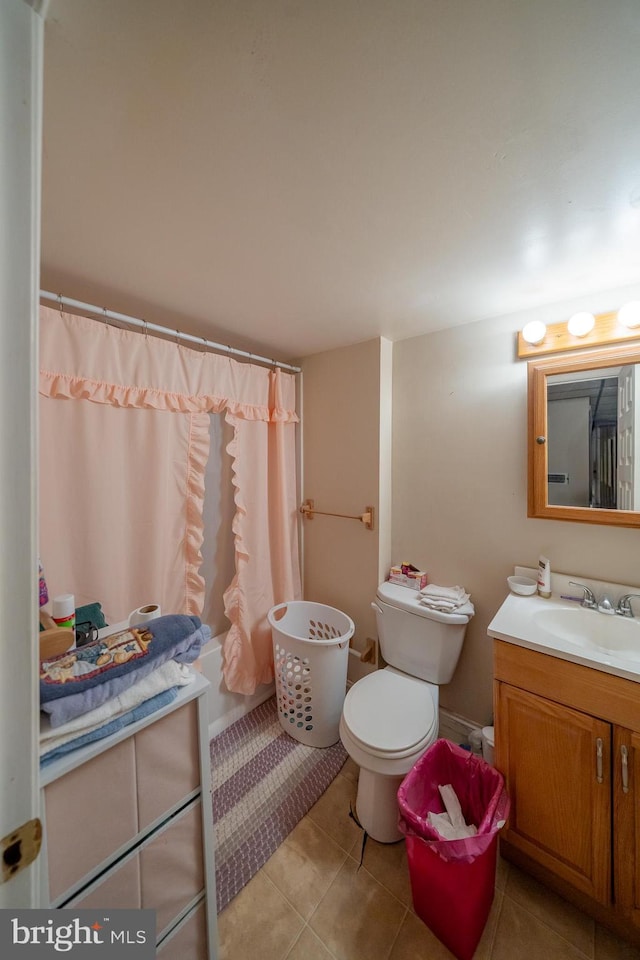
(456, 500)
(459, 501)
(347, 466)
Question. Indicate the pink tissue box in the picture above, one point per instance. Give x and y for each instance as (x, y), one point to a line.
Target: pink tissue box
(407, 575)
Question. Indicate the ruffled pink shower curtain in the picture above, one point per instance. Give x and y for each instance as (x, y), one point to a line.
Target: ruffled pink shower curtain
(137, 444)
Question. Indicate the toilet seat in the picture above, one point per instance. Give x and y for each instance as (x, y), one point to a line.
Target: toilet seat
(390, 714)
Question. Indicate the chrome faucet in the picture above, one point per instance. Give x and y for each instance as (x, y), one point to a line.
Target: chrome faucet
(588, 600)
(605, 605)
(624, 604)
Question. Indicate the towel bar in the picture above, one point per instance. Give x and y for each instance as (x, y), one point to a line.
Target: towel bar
(308, 510)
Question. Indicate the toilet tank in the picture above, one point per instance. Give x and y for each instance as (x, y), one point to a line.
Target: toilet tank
(421, 642)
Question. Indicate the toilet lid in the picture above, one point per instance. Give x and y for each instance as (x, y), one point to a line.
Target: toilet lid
(389, 712)
(406, 599)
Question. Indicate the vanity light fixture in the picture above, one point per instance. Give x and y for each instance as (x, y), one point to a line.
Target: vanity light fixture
(629, 314)
(583, 329)
(580, 324)
(534, 332)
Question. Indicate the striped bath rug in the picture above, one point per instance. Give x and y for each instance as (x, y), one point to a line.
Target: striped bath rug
(263, 783)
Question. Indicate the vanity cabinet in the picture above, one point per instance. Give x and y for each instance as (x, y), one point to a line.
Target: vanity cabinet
(568, 745)
(554, 762)
(128, 824)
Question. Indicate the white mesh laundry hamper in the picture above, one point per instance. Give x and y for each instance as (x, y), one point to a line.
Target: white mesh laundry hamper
(310, 653)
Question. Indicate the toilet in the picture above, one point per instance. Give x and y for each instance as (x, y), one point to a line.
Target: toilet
(390, 717)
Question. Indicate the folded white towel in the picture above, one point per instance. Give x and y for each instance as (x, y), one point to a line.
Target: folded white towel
(454, 594)
(445, 607)
(438, 604)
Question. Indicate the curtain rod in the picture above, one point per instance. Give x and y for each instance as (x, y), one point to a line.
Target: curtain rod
(155, 328)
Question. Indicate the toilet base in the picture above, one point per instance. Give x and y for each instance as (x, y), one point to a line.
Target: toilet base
(377, 805)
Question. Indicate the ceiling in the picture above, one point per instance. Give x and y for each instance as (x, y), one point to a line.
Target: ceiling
(291, 176)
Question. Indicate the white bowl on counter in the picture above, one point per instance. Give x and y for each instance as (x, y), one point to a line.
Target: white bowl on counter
(523, 586)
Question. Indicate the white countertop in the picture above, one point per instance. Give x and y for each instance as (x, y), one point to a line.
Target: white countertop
(516, 622)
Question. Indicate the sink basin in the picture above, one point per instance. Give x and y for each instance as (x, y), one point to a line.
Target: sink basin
(613, 635)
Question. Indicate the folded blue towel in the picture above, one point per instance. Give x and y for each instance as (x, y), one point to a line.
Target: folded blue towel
(138, 713)
(80, 680)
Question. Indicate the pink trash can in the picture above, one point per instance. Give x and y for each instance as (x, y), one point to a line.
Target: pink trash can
(453, 881)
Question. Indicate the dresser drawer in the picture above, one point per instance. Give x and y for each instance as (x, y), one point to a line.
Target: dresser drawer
(91, 813)
(118, 890)
(165, 874)
(167, 762)
(189, 942)
(172, 868)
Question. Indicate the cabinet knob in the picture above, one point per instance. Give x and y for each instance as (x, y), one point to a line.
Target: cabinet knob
(541, 440)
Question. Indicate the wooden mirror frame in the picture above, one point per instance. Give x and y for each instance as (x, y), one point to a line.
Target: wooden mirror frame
(538, 496)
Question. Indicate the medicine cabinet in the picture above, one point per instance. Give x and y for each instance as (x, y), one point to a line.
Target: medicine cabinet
(584, 437)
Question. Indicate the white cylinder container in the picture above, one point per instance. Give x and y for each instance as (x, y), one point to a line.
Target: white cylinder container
(488, 743)
(63, 612)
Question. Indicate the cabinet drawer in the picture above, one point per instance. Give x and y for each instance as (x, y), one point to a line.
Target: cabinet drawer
(91, 813)
(189, 942)
(167, 761)
(172, 868)
(166, 874)
(119, 890)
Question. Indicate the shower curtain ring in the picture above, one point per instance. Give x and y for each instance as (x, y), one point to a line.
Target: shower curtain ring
(177, 337)
(106, 317)
(146, 330)
(60, 302)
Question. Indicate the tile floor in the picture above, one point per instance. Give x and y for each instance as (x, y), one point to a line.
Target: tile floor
(311, 902)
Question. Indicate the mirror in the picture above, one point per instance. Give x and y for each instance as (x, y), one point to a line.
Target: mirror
(584, 437)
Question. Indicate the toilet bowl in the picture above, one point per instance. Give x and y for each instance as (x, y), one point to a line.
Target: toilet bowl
(388, 721)
(390, 717)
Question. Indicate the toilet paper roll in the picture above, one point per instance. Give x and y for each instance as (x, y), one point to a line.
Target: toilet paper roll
(143, 614)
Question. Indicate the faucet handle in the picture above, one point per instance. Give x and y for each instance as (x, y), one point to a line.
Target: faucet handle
(624, 604)
(588, 599)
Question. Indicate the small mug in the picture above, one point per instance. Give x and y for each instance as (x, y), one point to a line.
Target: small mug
(143, 614)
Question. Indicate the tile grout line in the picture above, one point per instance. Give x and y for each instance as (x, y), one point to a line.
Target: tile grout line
(553, 930)
(356, 859)
(307, 921)
(492, 944)
(314, 934)
(400, 926)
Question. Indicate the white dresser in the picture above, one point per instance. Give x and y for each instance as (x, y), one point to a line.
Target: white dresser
(128, 824)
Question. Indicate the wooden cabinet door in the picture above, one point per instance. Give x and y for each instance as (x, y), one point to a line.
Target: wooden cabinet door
(626, 822)
(556, 763)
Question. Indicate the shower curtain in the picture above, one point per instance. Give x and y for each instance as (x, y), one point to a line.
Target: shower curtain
(124, 433)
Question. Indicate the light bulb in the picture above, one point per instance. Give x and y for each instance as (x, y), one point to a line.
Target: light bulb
(534, 332)
(580, 324)
(629, 314)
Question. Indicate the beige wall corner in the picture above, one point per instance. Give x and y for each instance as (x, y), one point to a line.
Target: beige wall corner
(347, 466)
